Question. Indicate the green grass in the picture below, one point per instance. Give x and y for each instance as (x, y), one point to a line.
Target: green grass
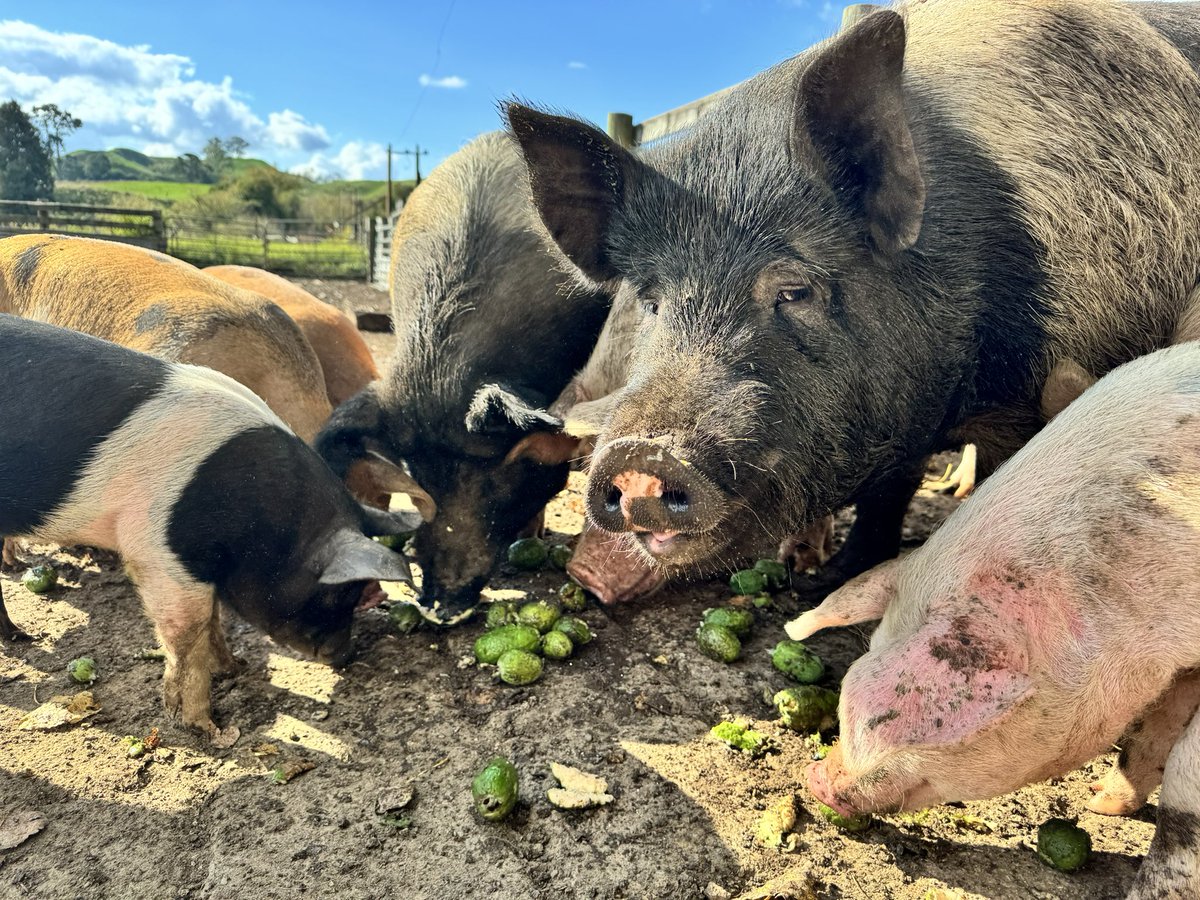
(329, 258)
(169, 191)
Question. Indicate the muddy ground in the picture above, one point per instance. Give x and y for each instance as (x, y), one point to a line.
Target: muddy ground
(634, 706)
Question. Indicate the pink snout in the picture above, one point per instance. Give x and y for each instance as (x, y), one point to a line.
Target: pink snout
(830, 784)
(610, 567)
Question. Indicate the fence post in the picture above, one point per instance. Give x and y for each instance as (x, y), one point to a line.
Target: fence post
(158, 231)
(856, 11)
(620, 128)
(43, 218)
(266, 239)
(370, 249)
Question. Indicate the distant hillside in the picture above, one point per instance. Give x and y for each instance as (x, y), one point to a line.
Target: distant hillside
(123, 164)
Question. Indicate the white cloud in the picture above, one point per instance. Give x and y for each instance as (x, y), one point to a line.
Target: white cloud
(448, 81)
(576, 64)
(356, 160)
(132, 96)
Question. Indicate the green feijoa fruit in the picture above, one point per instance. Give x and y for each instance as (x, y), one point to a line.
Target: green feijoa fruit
(572, 597)
(500, 613)
(797, 662)
(762, 601)
(556, 645)
(576, 629)
(776, 573)
(82, 670)
(495, 789)
(1063, 844)
(718, 642)
(405, 617)
(559, 555)
(519, 667)
(748, 581)
(739, 621)
(527, 553)
(740, 736)
(394, 541)
(541, 614)
(846, 823)
(40, 579)
(491, 645)
(807, 708)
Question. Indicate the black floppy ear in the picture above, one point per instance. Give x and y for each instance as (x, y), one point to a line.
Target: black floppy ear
(498, 409)
(850, 120)
(577, 175)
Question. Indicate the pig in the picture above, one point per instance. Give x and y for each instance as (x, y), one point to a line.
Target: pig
(156, 304)
(1053, 613)
(206, 494)
(489, 332)
(346, 361)
(876, 251)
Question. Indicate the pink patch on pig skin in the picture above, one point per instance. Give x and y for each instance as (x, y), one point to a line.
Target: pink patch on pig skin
(372, 595)
(634, 485)
(610, 567)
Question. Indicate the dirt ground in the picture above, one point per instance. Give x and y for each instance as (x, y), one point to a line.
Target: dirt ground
(411, 713)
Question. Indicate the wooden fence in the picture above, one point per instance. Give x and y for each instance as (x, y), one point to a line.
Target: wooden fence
(143, 227)
(623, 129)
(302, 247)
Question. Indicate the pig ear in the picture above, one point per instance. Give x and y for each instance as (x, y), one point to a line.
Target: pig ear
(850, 111)
(1066, 382)
(948, 683)
(863, 599)
(498, 409)
(380, 522)
(352, 556)
(577, 175)
(550, 448)
(390, 478)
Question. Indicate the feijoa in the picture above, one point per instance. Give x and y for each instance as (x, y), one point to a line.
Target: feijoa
(527, 553)
(556, 645)
(748, 581)
(40, 579)
(852, 824)
(572, 597)
(559, 555)
(807, 708)
(576, 629)
(495, 789)
(491, 645)
(718, 642)
(82, 670)
(1063, 844)
(405, 617)
(541, 614)
(739, 621)
(394, 541)
(519, 667)
(501, 612)
(797, 662)
(740, 736)
(776, 573)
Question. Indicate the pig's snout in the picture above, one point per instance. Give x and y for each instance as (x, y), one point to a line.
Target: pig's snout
(640, 486)
(336, 651)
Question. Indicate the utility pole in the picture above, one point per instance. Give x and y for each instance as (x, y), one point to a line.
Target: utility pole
(416, 154)
(387, 210)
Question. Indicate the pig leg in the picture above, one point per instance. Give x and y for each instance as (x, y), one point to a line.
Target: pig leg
(536, 526)
(1172, 867)
(1145, 749)
(183, 619)
(224, 662)
(810, 548)
(8, 556)
(962, 479)
(8, 630)
(863, 599)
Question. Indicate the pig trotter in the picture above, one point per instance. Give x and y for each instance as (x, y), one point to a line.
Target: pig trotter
(8, 557)
(8, 630)
(808, 549)
(1139, 768)
(1172, 867)
(961, 480)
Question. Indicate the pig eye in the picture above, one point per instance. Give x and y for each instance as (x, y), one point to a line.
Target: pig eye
(793, 295)
(650, 306)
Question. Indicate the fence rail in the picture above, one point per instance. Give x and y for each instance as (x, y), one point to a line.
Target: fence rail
(130, 226)
(380, 242)
(287, 246)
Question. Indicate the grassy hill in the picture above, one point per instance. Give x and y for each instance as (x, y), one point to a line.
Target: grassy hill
(123, 164)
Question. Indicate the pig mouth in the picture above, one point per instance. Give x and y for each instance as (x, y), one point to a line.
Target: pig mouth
(852, 798)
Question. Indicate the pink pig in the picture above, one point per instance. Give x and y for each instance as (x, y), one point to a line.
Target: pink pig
(1055, 613)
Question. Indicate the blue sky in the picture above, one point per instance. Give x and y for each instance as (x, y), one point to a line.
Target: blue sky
(322, 87)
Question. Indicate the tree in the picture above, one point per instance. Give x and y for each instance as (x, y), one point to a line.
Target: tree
(26, 172)
(214, 156)
(97, 166)
(236, 146)
(55, 124)
(190, 167)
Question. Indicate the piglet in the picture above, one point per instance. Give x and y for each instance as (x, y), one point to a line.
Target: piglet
(200, 487)
(1053, 614)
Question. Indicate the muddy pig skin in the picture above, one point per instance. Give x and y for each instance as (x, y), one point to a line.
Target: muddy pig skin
(204, 492)
(875, 251)
(1055, 613)
(346, 361)
(151, 302)
(488, 333)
